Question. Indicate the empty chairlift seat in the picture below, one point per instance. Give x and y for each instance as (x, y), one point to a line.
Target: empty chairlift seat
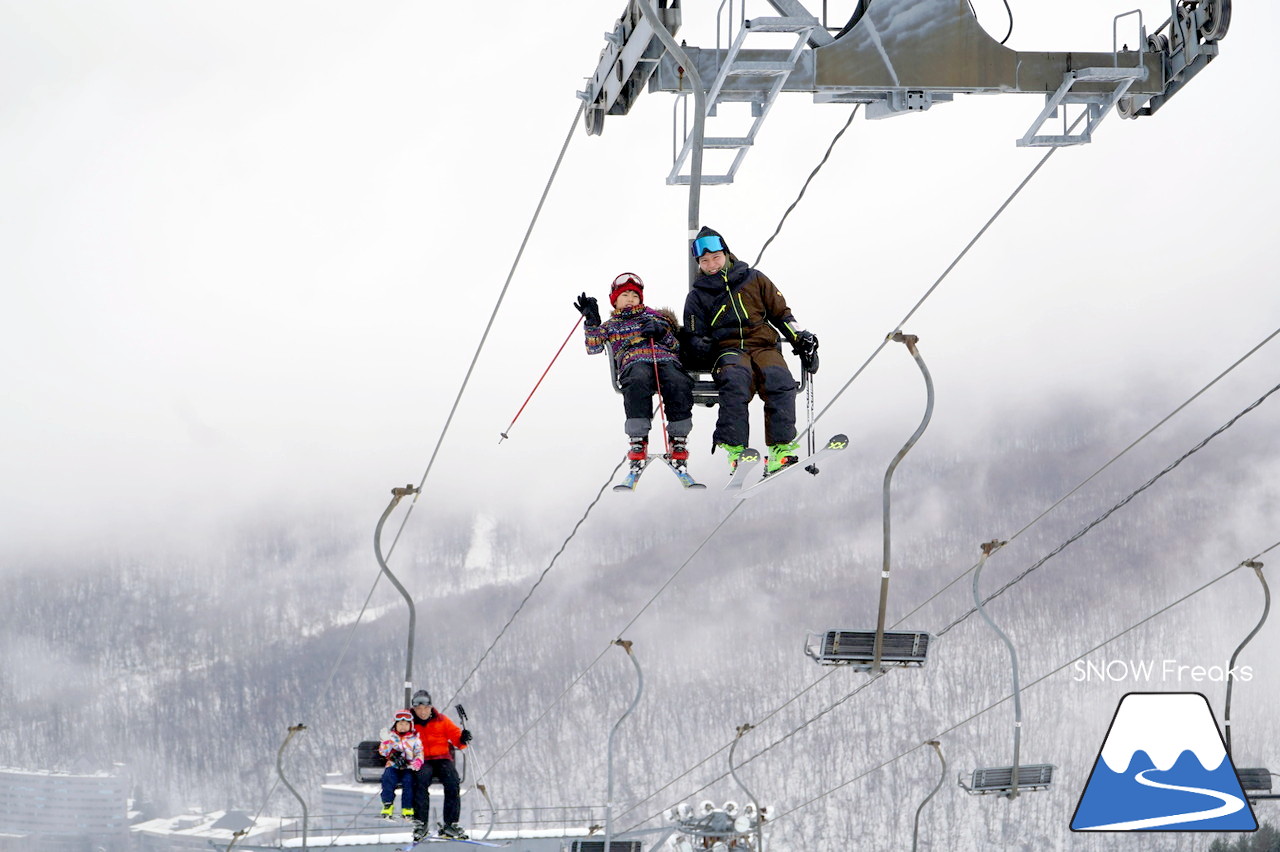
(614, 846)
(999, 781)
(857, 648)
(1255, 780)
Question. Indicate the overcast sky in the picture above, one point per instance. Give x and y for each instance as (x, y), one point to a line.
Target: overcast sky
(248, 250)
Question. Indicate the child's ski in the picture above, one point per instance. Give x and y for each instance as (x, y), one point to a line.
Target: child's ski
(683, 475)
(835, 445)
(633, 476)
(747, 462)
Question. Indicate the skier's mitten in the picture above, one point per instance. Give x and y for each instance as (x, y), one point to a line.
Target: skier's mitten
(651, 326)
(465, 737)
(589, 308)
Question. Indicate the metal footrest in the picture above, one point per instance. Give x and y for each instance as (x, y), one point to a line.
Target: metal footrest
(781, 25)
(1097, 104)
(998, 781)
(857, 648)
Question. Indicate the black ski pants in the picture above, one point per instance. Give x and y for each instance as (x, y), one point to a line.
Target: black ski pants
(738, 374)
(443, 771)
(638, 388)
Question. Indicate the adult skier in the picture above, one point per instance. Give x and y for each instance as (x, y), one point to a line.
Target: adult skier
(733, 317)
(439, 736)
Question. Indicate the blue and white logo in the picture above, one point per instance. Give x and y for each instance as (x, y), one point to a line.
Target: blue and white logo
(1163, 767)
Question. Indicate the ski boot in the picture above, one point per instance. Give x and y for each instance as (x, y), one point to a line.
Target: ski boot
(638, 453)
(453, 831)
(734, 451)
(386, 812)
(420, 831)
(680, 453)
(780, 456)
(406, 813)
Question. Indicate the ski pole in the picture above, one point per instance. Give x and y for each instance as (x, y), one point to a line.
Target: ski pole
(657, 383)
(539, 382)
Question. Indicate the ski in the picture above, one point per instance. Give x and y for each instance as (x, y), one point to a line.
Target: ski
(746, 463)
(835, 445)
(683, 475)
(633, 476)
(470, 842)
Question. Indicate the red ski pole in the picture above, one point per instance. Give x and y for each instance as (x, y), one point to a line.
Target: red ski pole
(539, 382)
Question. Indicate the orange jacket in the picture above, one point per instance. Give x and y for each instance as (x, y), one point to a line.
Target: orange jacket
(437, 734)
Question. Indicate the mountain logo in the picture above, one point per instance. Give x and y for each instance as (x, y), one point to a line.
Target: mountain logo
(1163, 767)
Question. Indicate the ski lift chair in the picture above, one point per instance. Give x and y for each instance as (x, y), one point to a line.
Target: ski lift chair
(857, 648)
(367, 764)
(1256, 783)
(998, 781)
(704, 384)
(874, 650)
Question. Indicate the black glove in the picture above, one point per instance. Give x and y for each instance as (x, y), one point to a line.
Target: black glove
(651, 326)
(398, 760)
(589, 308)
(466, 736)
(806, 346)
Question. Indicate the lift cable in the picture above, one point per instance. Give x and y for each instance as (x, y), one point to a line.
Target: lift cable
(807, 181)
(534, 587)
(457, 400)
(981, 231)
(502, 294)
(920, 745)
(1057, 550)
(1035, 682)
(1087, 527)
(520, 737)
(1112, 461)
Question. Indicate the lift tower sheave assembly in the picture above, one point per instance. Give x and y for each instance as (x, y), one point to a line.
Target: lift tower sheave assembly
(901, 56)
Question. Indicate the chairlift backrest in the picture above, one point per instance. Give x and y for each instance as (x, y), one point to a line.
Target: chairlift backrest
(368, 763)
(1255, 780)
(999, 780)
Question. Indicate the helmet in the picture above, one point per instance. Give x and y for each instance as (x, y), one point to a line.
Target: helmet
(624, 282)
(421, 697)
(402, 716)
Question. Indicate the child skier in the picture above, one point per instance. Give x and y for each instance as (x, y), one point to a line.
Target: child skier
(643, 341)
(403, 750)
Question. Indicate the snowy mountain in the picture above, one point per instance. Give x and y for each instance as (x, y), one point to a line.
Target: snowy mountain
(190, 666)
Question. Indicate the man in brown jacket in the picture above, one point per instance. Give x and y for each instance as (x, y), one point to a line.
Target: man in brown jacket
(733, 317)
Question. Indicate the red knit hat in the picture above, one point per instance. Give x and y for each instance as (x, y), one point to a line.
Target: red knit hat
(626, 281)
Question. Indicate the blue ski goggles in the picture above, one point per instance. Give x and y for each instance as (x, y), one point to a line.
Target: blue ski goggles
(702, 245)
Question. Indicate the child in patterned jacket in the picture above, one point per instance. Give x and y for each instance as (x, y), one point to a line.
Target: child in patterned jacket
(403, 750)
(645, 349)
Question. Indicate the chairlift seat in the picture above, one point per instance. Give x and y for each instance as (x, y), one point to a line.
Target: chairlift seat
(368, 763)
(1254, 780)
(614, 846)
(857, 648)
(998, 781)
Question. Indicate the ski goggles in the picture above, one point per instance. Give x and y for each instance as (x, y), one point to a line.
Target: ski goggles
(702, 245)
(628, 278)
